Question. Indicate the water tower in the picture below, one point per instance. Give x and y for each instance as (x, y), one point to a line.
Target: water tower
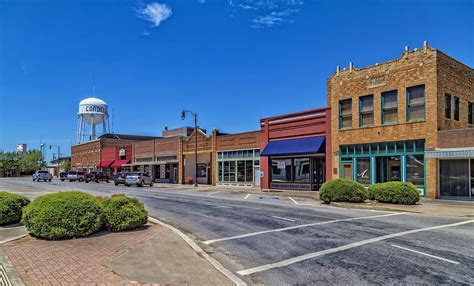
(92, 112)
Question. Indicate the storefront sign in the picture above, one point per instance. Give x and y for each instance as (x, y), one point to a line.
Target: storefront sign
(376, 81)
(281, 164)
(122, 152)
(162, 171)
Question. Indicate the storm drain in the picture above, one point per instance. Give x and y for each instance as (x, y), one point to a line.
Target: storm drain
(4, 280)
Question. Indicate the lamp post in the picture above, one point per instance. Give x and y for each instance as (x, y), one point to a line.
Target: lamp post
(59, 154)
(183, 116)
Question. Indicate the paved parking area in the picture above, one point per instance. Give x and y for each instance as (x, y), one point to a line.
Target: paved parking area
(274, 240)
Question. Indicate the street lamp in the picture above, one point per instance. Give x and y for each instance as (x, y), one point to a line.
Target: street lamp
(59, 154)
(183, 116)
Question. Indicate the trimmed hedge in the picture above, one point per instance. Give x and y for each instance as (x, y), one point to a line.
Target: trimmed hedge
(340, 190)
(395, 193)
(11, 206)
(123, 213)
(63, 215)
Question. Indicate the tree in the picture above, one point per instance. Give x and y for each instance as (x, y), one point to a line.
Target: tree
(65, 165)
(31, 161)
(9, 161)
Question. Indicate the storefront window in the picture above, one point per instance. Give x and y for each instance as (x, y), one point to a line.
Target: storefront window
(302, 170)
(202, 170)
(281, 170)
(363, 170)
(232, 171)
(220, 166)
(416, 170)
(454, 178)
(241, 171)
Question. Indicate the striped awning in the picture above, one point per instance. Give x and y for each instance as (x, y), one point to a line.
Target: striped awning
(451, 153)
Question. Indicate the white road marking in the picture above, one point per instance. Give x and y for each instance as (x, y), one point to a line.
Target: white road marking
(297, 226)
(293, 200)
(247, 196)
(343, 247)
(210, 194)
(282, 218)
(426, 254)
(225, 207)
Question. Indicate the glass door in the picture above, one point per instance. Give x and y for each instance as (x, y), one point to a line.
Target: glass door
(319, 172)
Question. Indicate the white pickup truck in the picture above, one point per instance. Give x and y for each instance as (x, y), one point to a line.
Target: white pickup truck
(42, 175)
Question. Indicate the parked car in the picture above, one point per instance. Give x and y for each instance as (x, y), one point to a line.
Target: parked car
(96, 177)
(62, 176)
(42, 175)
(119, 178)
(75, 176)
(138, 179)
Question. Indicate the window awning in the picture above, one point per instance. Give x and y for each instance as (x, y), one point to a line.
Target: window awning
(119, 163)
(105, 164)
(454, 153)
(299, 146)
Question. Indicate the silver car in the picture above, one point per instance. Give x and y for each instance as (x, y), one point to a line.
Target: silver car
(75, 175)
(138, 179)
(42, 175)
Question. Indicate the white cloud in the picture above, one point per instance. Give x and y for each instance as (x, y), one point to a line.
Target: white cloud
(155, 13)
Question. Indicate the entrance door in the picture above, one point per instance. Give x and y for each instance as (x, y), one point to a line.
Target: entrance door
(319, 172)
(346, 172)
(256, 176)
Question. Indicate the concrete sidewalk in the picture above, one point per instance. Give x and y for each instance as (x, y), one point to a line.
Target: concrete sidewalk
(148, 255)
(438, 207)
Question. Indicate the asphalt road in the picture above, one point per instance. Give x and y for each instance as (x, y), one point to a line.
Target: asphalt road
(274, 241)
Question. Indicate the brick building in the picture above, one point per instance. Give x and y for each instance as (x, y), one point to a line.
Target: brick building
(296, 150)
(205, 158)
(238, 159)
(89, 156)
(388, 117)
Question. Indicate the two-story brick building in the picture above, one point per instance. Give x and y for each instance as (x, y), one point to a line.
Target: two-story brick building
(387, 119)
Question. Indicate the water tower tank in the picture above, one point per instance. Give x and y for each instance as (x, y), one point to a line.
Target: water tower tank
(92, 112)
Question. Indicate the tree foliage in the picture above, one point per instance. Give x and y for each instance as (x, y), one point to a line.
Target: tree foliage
(9, 161)
(31, 161)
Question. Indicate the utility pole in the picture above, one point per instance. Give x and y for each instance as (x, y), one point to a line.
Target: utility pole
(183, 116)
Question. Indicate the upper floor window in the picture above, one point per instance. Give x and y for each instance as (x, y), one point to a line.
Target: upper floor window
(456, 108)
(470, 116)
(366, 110)
(389, 107)
(345, 113)
(416, 103)
(447, 106)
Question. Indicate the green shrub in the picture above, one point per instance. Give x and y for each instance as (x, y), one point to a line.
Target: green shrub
(11, 206)
(123, 213)
(63, 215)
(341, 190)
(395, 193)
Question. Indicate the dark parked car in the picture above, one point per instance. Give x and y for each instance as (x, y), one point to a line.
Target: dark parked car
(63, 176)
(119, 178)
(96, 177)
(138, 179)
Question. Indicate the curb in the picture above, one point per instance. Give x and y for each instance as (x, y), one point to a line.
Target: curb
(231, 276)
(8, 274)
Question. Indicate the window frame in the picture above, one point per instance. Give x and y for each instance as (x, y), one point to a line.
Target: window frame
(470, 111)
(410, 106)
(447, 106)
(361, 113)
(341, 116)
(382, 97)
(456, 108)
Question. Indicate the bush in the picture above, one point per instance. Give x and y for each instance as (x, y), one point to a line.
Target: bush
(11, 206)
(123, 213)
(395, 193)
(63, 215)
(341, 190)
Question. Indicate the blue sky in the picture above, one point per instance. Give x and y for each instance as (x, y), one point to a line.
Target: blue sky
(231, 61)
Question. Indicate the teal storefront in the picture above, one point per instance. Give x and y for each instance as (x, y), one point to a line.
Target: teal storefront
(381, 162)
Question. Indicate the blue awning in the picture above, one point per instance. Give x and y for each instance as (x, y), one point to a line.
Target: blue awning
(300, 146)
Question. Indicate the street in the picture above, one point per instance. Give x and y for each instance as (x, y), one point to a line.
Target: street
(274, 240)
